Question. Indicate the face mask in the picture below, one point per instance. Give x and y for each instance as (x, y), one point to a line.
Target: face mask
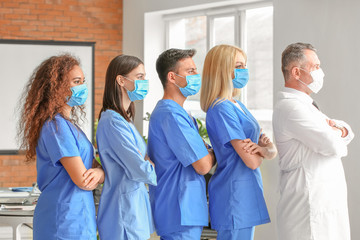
(241, 77)
(140, 91)
(193, 85)
(79, 95)
(318, 80)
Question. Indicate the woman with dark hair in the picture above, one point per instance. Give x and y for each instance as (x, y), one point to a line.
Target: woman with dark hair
(124, 209)
(64, 156)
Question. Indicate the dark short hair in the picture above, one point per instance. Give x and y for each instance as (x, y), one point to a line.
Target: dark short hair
(112, 99)
(294, 53)
(167, 62)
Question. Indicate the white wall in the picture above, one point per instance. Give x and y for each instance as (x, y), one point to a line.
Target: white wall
(332, 27)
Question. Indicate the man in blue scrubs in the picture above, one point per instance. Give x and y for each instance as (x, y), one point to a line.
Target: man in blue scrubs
(179, 201)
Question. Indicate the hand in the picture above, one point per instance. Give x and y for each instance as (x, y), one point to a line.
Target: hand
(344, 131)
(212, 154)
(206, 145)
(264, 140)
(253, 148)
(331, 123)
(93, 177)
(148, 159)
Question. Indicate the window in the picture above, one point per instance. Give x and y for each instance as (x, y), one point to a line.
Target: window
(259, 41)
(223, 31)
(247, 26)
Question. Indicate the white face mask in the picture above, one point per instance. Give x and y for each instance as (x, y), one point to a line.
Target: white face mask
(318, 80)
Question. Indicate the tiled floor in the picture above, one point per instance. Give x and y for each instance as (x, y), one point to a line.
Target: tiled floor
(26, 233)
(155, 237)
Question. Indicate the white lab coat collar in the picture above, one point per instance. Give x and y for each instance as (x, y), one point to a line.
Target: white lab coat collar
(287, 93)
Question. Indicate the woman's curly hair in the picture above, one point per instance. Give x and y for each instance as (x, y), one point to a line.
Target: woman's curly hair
(45, 94)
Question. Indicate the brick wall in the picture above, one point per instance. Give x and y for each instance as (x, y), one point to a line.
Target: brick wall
(97, 21)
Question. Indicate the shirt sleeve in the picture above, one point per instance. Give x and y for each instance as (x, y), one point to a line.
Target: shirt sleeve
(121, 146)
(59, 140)
(227, 124)
(183, 139)
(314, 132)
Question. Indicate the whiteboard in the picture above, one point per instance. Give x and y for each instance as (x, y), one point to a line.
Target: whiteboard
(18, 59)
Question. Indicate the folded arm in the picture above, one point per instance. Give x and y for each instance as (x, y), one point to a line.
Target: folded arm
(86, 179)
(252, 161)
(204, 165)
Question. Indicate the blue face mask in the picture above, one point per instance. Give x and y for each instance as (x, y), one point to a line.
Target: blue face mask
(140, 91)
(79, 95)
(241, 77)
(193, 85)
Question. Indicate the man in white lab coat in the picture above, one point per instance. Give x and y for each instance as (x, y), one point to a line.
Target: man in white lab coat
(313, 202)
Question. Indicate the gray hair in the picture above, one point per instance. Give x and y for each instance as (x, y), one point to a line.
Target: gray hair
(294, 53)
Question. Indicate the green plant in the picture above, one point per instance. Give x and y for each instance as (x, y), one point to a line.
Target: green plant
(202, 130)
(95, 129)
(94, 140)
(146, 118)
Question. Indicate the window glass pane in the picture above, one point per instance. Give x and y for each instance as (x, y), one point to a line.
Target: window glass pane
(260, 57)
(259, 28)
(190, 33)
(224, 30)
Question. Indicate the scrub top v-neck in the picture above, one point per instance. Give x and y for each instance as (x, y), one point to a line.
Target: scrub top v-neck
(63, 211)
(235, 191)
(124, 208)
(179, 199)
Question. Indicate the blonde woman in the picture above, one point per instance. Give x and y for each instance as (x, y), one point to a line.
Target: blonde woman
(236, 198)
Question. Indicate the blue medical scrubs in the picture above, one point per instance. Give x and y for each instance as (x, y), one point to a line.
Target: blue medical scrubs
(124, 210)
(179, 200)
(235, 191)
(64, 211)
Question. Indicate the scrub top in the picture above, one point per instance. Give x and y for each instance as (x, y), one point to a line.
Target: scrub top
(124, 209)
(179, 199)
(235, 191)
(64, 211)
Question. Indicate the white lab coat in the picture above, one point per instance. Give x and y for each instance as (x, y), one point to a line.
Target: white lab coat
(313, 202)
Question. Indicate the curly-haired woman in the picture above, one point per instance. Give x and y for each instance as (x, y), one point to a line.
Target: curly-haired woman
(64, 156)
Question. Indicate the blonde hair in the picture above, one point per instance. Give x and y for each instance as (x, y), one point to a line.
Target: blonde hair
(217, 75)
